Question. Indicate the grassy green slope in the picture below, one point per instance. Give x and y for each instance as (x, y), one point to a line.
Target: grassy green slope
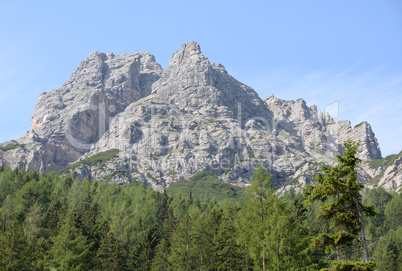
(205, 185)
(99, 159)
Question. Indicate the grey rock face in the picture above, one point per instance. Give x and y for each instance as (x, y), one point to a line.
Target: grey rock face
(364, 134)
(386, 172)
(312, 130)
(390, 177)
(200, 118)
(192, 84)
(68, 120)
(170, 124)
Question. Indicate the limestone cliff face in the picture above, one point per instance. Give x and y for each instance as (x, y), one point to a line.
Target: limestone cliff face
(312, 130)
(170, 124)
(385, 172)
(68, 120)
(192, 84)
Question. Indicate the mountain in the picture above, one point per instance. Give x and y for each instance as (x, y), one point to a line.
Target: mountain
(68, 120)
(122, 118)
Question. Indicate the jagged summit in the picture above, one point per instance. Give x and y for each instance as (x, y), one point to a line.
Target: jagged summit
(194, 84)
(189, 52)
(170, 124)
(68, 120)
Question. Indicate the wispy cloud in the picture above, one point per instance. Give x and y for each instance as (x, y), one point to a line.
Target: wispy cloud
(349, 69)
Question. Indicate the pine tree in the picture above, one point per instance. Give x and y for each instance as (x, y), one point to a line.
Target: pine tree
(255, 216)
(52, 215)
(145, 250)
(201, 240)
(269, 228)
(32, 224)
(388, 251)
(111, 256)
(160, 260)
(339, 184)
(29, 199)
(214, 220)
(163, 207)
(87, 215)
(168, 225)
(227, 250)
(14, 248)
(71, 249)
(7, 212)
(182, 245)
(299, 210)
(190, 200)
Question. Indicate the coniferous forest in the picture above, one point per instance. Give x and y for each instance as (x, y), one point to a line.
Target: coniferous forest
(50, 222)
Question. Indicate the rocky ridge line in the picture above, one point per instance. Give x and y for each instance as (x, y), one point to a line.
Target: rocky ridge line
(170, 124)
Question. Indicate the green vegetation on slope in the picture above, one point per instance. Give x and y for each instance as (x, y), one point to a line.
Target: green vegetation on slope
(357, 125)
(386, 162)
(48, 222)
(205, 185)
(97, 159)
(12, 146)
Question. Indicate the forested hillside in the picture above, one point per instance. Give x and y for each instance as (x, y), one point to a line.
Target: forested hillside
(59, 223)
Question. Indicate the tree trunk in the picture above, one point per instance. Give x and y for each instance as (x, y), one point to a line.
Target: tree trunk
(187, 249)
(164, 257)
(366, 256)
(201, 257)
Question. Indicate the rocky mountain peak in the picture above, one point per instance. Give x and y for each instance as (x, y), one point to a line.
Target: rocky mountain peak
(68, 120)
(189, 52)
(193, 84)
(197, 117)
(369, 146)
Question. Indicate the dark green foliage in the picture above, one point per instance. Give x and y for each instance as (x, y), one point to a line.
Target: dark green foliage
(344, 207)
(228, 251)
(146, 249)
(379, 198)
(350, 266)
(160, 261)
(388, 252)
(111, 255)
(205, 185)
(359, 124)
(182, 245)
(393, 213)
(386, 162)
(98, 159)
(87, 216)
(14, 248)
(12, 146)
(70, 249)
(271, 228)
(51, 222)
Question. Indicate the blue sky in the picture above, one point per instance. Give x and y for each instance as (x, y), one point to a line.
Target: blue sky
(323, 51)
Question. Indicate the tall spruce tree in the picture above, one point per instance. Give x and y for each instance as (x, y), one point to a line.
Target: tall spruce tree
(160, 260)
(111, 256)
(145, 250)
(181, 256)
(227, 249)
(344, 207)
(255, 216)
(14, 248)
(71, 249)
